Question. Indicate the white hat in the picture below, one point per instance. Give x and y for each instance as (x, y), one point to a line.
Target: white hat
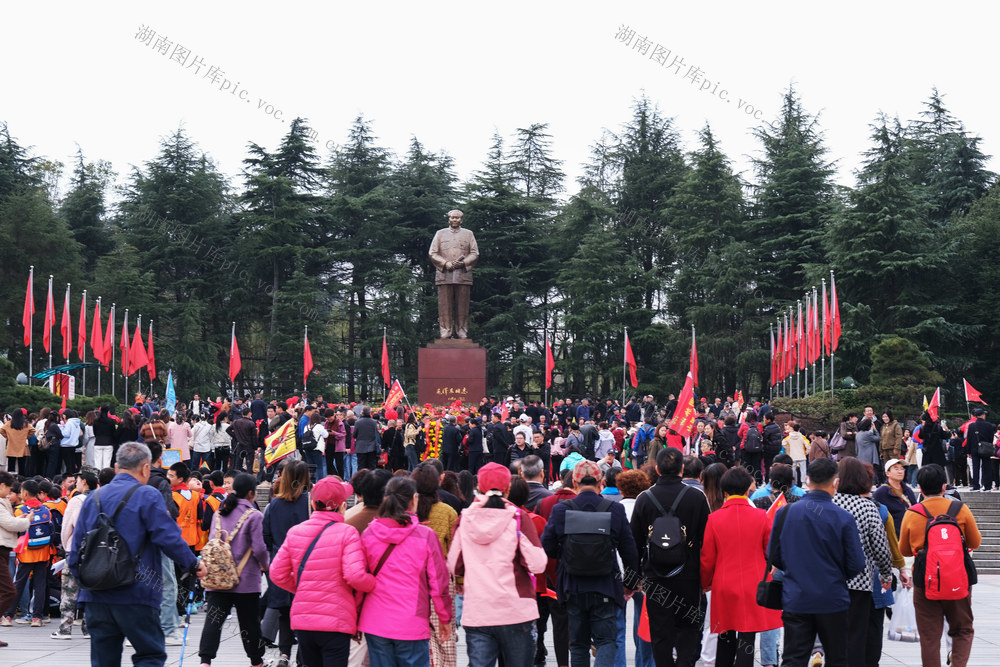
(892, 462)
(524, 418)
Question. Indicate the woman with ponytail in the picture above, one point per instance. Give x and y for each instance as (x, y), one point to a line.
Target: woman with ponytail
(408, 564)
(322, 562)
(241, 521)
(497, 549)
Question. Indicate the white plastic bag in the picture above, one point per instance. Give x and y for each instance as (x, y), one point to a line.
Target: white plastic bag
(903, 624)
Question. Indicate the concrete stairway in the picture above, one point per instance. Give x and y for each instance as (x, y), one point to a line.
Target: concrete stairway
(986, 509)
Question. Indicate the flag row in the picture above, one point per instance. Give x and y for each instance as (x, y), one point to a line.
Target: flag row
(806, 335)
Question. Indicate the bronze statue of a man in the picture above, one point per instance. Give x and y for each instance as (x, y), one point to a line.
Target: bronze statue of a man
(454, 252)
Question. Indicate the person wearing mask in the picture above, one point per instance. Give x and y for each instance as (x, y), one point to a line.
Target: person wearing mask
(131, 612)
(496, 550)
(242, 523)
(322, 562)
(733, 555)
(411, 576)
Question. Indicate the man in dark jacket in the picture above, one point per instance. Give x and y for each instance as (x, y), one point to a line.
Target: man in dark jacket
(981, 432)
(476, 446)
(366, 440)
(819, 550)
(771, 436)
(674, 605)
(593, 602)
(532, 471)
(451, 443)
(589, 437)
(244, 434)
(258, 408)
(131, 612)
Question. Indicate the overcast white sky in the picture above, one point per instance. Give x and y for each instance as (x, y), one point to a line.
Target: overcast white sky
(450, 73)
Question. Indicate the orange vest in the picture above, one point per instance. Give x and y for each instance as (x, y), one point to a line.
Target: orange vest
(187, 518)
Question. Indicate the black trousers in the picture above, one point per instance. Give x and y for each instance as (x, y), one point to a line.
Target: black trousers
(324, 649)
(221, 455)
(675, 621)
(368, 461)
(857, 627)
(338, 465)
(217, 607)
(449, 460)
(873, 641)
(543, 617)
(735, 649)
(768, 460)
(982, 472)
(961, 468)
(475, 462)
(800, 637)
(752, 462)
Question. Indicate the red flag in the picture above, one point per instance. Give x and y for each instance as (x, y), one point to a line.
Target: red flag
(826, 322)
(683, 419)
(504, 413)
(776, 505)
(773, 358)
(694, 359)
(96, 335)
(385, 362)
(307, 360)
(788, 349)
(81, 337)
(29, 308)
(395, 395)
(137, 355)
(123, 345)
(109, 340)
(630, 362)
(816, 348)
(972, 394)
(50, 320)
(235, 364)
(150, 354)
(807, 326)
(935, 403)
(800, 341)
(834, 316)
(550, 363)
(64, 327)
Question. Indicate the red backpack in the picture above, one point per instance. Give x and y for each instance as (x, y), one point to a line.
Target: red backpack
(943, 568)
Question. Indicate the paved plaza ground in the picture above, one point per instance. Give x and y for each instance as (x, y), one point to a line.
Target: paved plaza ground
(32, 647)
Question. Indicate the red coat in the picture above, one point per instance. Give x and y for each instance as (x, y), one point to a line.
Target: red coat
(732, 563)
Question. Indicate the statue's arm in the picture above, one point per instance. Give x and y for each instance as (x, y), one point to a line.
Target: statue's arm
(473, 254)
(435, 253)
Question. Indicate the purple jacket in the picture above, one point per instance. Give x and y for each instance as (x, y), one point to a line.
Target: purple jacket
(249, 537)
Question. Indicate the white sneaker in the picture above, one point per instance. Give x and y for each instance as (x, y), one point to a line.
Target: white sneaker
(61, 635)
(174, 639)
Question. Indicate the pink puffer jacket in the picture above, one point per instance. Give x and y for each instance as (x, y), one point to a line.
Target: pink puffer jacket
(324, 598)
(414, 574)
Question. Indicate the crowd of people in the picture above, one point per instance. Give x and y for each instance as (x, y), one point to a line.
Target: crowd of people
(529, 527)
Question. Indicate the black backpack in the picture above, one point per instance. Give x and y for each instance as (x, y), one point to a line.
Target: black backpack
(754, 441)
(667, 545)
(308, 440)
(588, 549)
(105, 560)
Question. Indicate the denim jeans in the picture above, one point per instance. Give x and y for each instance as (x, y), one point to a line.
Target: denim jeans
(643, 649)
(111, 624)
(316, 458)
(350, 466)
(514, 642)
(593, 620)
(769, 646)
(169, 620)
(385, 652)
(412, 460)
(620, 642)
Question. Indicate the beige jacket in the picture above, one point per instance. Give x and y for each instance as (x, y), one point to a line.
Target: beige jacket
(10, 525)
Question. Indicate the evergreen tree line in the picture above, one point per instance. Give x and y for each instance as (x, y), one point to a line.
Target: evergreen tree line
(655, 239)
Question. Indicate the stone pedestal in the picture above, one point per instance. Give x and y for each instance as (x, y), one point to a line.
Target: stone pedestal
(451, 369)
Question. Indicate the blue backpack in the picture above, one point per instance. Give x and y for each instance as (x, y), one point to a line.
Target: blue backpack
(40, 530)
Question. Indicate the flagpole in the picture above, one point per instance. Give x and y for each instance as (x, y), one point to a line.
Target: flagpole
(384, 339)
(125, 356)
(965, 389)
(149, 343)
(31, 324)
(111, 367)
(770, 382)
(545, 367)
(47, 324)
(233, 380)
(305, 379)
(815, 324)
(138, 371)
(624, 363)
(824, 340)
(83, 355)
(102, 344)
